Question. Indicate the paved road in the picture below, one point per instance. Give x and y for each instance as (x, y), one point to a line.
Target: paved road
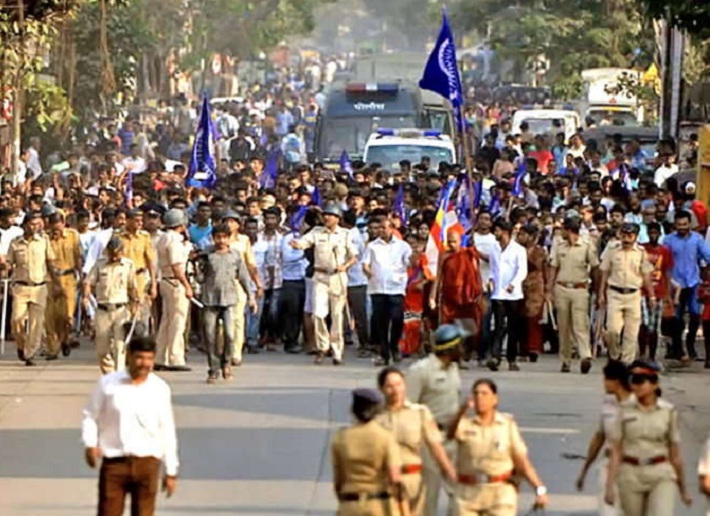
(259, 446)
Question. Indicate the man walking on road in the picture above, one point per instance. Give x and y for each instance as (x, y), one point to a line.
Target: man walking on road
(133, 437)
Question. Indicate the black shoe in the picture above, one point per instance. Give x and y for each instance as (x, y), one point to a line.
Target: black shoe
(493, 364)
(565, 368)
(586, 365)
(533, 357)
(512, 366)
(66, 349)
(337, 362)
(253, 350)
(74, 344)
(21, 354)
(29, 362)
(292, 350)
(49, 358)
(179, 368)
(159, 367)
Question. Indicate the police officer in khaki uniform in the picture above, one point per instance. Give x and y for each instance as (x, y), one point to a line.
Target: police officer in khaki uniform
(413, 428)
(31, 259)
(334, 253)
(491, 452)
(624, 270)
(435, 382)
(66, 245)
(138, 247)
(175, 291)
(113, 282)
(573, 262)
(242, 245)
(646, 463)
(366, 462)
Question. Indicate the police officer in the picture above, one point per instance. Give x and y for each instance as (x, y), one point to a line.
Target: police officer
(366, 462)
(573, 262)
(138, 247)
(413, 427)
(645, 463)
(175, 291)
(624, 270)
(31, 259)
(491, 452)
(334, 253)
(434, 381)
(66, 245)
(113, 283)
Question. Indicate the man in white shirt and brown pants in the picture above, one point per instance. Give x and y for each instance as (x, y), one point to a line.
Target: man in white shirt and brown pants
(129, 423)
(509, 268)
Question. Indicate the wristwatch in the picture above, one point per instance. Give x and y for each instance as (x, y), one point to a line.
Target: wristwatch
(540, 491)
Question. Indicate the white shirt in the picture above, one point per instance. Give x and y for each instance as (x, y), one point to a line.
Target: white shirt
(663, 172)
(125, 419)
(270, 249)
(388, 262)
(356, 276)
(135, 165)
(33, 163)
(7, 236)
(485, 244)
(509, 267)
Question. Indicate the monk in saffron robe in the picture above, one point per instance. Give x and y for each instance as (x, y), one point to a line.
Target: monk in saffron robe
(458, 289)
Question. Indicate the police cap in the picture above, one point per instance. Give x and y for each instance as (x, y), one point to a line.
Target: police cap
(231, 214)
(114, 244)
(332, 209)
(447, 337)
(173, 218)
(630, 227)
(366, 396)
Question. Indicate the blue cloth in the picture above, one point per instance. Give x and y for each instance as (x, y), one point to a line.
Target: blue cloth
(198, 234)
(203, 168)
(687, 253)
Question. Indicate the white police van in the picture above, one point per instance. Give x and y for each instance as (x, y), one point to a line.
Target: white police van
(390, 146)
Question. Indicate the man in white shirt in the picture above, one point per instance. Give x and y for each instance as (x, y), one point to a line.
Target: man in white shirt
(509, 268)
(668, 168)
(293, 292)
(34, 166)
(129, 423)
(485, 243)
(357, 287)
(134, 163)
(385, 264)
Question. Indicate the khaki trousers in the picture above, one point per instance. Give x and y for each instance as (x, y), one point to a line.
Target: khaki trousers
(659, 501)
(59, 314)
(240, 325)
(329, 297)
(110, 339)
(28, 305)
(171, 333)
(572, 306)
(623, 311)
(145, 308)
(434, 481)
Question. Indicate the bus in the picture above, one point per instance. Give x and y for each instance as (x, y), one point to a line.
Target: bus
(356, 110)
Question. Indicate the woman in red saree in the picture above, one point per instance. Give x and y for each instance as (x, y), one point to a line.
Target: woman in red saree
(458, 289)
(411, 341)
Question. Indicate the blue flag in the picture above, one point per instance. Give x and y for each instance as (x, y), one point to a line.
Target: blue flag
(495, 208)
(203, 169)
(477, 193)
(128, 189)
(518, 179)
(398, 207)
(315, 197)
(271, 169)
(297, 219)
(345, 164)
(441, 73)
(464, 210)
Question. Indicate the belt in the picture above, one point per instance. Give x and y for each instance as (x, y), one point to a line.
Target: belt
(623, 290)
(30, 284)
(356, 497)
(141, 271)
(110, 307)
(127, 458)
(635, 461)
(472, 480)
(572, 284)
(410, 469)
(322, 270)
(65, 272)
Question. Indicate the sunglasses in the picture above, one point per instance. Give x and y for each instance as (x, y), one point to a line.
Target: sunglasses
(640, 378)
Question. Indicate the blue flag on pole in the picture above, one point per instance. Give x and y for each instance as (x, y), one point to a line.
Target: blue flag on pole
(441, 73)
(345, 164)
(398, 207)
(518, 179)
(315, 197)
(128, 189)
(297, 219)
(271, 169)
(203, 168)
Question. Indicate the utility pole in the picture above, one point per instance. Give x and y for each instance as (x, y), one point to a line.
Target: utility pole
(18, 89)
(672, 49)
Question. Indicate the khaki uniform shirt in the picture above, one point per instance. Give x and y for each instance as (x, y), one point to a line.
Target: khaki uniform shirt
(171, 251)
(331, 249)
(626, 268)
(113, 283)
(30, 258)
(430, 384)
(412, 426)
(139, 249)
(645, 433)
(67, 250)
(362, 456)
(573, 261)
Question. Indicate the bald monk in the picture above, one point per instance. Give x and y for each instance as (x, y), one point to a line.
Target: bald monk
(458, 288)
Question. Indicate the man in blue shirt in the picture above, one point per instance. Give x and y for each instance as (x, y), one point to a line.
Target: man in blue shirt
(201, 230)
(688, 248)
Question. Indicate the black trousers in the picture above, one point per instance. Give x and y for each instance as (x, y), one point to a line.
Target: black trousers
(293, 298)
(387, 323)
(508, 318)
(688, 301)
(357, 299)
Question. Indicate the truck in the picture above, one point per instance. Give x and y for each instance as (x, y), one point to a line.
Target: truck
(604, 102)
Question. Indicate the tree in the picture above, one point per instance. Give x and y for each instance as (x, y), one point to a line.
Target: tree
(693, 16)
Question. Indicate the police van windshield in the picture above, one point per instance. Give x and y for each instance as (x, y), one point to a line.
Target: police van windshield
(389, 156)
(351, 133)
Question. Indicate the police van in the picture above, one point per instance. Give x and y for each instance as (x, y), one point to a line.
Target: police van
(390, 146)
